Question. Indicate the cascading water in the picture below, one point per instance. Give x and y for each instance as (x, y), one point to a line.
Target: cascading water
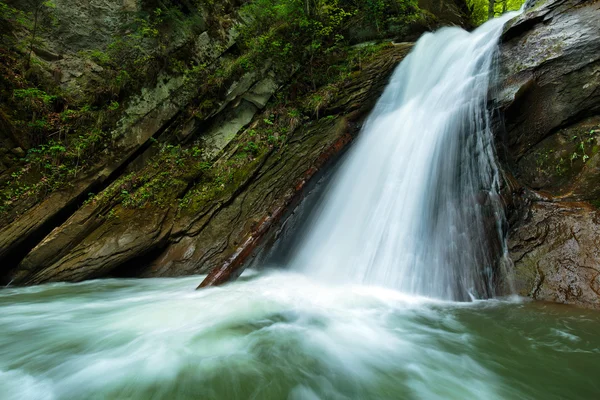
(415, 205)
(411, 209)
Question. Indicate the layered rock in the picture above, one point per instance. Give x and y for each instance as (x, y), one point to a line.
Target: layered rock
(160, 107)
(104, 237)
(188, 217)
(550, 102)
(556, 253)
(549, 99)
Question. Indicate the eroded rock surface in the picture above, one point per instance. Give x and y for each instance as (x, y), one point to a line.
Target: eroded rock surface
(180, 182)
(556, 250)
(103, 237)
(549, 96)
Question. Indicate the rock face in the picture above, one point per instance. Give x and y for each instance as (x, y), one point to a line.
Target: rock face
(556, 253)
(549, 97)
(169, 211)
(195, 161)
(105, 237)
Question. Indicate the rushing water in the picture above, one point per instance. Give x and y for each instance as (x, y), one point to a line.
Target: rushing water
(413, 212)
(281, 335)
(415, 206)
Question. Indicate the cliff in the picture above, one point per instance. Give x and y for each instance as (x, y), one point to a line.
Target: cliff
(144, 140)
(549, 100)
(162, 138)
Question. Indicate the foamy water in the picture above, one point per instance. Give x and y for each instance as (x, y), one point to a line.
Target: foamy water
(415, 205)
(281, 335)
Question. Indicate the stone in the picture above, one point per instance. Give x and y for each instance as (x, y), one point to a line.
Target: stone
(46, 54)
(556, 251)
(548, 97)
(19, 152)
(96, 241)
(549, 71)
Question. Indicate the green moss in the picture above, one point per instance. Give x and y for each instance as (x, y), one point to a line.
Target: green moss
(565, 154)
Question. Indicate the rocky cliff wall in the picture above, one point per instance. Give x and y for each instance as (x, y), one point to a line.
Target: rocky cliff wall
(143, 142)
(549, 100)
(207, 221)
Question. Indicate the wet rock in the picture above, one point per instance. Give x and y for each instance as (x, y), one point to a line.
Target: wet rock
(17, 238)
(145, 115)
(549, 71)
(549, 98)
(221, 240)
(565, 164)
(99, 239)
(556, 251)
(120, 239)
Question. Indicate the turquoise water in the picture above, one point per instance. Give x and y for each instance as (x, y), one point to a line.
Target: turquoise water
(279, 335)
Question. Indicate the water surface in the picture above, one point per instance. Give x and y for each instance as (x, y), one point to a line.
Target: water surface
(280, 335)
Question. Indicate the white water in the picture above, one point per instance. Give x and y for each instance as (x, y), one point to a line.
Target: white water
(415, 205)
(284, 335)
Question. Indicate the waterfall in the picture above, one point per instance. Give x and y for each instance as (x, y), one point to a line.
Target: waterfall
(415, 204)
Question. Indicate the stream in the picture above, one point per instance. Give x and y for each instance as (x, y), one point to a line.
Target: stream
(282, 335)
(395, 288)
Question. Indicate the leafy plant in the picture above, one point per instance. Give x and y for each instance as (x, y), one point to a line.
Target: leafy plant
(252, 147)
(34, 94)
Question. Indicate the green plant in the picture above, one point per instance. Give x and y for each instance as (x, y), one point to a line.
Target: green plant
(113, 106)
(483, 10)
(10, 15)
(34, 94)
(98, 56)
(252, 148)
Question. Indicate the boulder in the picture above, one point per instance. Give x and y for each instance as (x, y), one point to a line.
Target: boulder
(556, 251)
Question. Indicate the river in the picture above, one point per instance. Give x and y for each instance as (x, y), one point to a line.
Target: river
(282, 335)
(393, 291)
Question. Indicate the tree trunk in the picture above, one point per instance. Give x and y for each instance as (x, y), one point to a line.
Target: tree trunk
(35, 24)
(491, 9)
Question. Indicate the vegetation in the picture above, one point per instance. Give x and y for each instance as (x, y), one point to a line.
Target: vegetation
(577, 147)
(60, 134)
(483, 10)
(183, 175)
(304, 30)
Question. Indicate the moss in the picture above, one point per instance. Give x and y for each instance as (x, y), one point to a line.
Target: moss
(559, 158)
(38, 110)
(270, 134)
